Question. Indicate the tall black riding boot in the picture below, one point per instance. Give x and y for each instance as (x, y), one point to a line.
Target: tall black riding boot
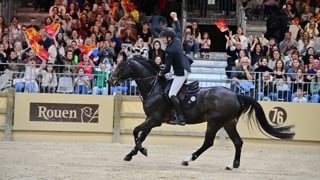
(179, 114)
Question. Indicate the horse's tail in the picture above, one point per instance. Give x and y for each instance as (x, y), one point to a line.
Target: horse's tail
(250, 105)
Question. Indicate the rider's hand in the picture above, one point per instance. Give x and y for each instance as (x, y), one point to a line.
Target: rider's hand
(174, 16)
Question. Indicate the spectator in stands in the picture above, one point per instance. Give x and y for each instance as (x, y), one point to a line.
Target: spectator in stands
(156, 50)
(312, 27)
(145, 34)
(60, 43)
(315, 88)
(286, 44)
(106, 53)
(299, 83)
(241, 35)
(3, 26)
(233, 49)
(68, 63)
(271, 46)
(73, 9)
(299, 98)
(81, 82)
(256, 51)
(129, 33)
(14, 29)
(310, 55)
(15, 65)
(193, 43)
(312, 71)
(157, 20)
(3, 59)
(280, 78)
(292, 72)
(49, 80)
(101, 76)
(275, 56)
(29, 82)
(139, 50)
(262, 67)
(75, 37)
(57, 9)
(290, 12)
(305, 16)
(305, 43)
(86, 64)
(242, 53)
(114, 38)
(267, 88)
(289, 63)
(243, 78)
(205, 45)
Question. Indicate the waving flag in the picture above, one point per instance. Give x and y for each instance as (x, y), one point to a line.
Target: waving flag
(221, 24)
(86, 49)
(296, 21)
(40, 51)
(52, 29)
(32, 35)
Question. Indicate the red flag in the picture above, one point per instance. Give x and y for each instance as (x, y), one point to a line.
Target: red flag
(221, 24)
(296, 21)
(85, 49)
(32, 35)
(52, 29)
(40, 51)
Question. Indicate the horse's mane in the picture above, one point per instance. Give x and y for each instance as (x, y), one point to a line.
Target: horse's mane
(150, 66)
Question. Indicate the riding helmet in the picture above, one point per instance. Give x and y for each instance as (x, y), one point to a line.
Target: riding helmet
(168, 32)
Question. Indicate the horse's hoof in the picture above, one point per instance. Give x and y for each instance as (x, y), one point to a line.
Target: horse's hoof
(228, 168)
(185, 163)
(144, 151)
(236, 164)
(127, 158)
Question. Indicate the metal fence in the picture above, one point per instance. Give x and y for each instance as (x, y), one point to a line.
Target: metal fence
(273, 90)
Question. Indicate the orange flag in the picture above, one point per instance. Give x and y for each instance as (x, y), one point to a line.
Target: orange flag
(221, 24)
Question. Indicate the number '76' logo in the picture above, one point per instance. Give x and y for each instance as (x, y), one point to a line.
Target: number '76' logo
(277, 115)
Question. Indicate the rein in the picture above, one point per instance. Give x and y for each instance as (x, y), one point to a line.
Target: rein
(153, 86)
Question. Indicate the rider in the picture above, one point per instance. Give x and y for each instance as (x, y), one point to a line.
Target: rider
(174, 57)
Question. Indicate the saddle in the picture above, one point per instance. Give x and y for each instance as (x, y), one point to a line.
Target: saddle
(187, 94)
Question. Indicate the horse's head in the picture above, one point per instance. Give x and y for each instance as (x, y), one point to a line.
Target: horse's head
(121, 73)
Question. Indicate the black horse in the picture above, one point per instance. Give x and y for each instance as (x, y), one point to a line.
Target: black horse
(218, 106)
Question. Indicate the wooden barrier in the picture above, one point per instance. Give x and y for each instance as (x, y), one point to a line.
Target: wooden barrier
(61, 117)
(6, 112)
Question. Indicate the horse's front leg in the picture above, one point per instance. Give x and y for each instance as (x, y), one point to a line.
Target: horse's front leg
(140, 133)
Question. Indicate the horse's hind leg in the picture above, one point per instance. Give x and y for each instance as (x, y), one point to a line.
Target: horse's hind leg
(208, 142)
(237, 141)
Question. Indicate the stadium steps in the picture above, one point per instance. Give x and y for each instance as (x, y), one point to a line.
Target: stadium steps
(255, 27)
(24, 15)
(210, 72)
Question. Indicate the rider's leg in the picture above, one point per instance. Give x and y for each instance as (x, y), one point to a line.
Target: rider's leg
(177, 83)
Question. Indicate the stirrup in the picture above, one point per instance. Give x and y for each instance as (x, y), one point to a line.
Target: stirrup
(177, 121)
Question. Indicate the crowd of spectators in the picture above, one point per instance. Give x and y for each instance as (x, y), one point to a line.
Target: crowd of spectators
(283, 63)
(92, 38)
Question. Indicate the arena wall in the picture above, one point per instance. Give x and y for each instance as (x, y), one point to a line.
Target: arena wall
(79, 118)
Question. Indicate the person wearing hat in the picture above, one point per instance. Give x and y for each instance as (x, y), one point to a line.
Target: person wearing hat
(176, 59)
